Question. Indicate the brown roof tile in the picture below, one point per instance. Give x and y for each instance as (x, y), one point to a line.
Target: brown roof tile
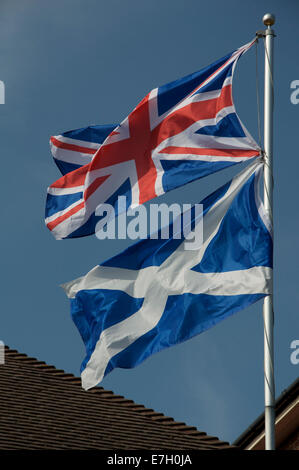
(42, 407)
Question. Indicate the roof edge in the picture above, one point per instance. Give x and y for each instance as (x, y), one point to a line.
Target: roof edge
(109, 395)
(257, 427)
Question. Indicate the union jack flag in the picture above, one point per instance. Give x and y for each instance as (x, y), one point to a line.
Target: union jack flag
(178, 133)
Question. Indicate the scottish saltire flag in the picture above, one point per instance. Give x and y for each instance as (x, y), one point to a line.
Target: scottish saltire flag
(156, 293)
(178, 133)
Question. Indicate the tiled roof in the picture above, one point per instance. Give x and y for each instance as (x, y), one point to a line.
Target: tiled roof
(42, 407)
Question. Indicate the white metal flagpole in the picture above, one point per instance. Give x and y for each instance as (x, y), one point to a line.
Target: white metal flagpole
(269, 20)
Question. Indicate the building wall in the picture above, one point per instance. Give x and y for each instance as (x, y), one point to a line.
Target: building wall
(292, 443)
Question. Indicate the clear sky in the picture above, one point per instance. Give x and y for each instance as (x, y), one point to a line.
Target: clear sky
(71, 63)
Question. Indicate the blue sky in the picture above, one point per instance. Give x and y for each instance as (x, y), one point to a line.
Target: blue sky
(72, 63)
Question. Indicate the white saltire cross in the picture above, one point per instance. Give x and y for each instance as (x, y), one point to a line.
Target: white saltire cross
(174, 276)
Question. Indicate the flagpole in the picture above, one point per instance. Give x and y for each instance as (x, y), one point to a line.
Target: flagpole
(269, 385)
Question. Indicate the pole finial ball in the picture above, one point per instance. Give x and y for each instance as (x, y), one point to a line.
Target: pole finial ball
(268, 19)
